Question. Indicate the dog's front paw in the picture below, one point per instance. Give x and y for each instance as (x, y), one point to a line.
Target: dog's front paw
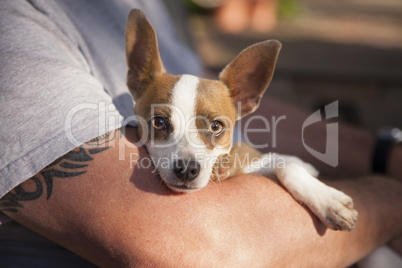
(337, 211)
(332, 207)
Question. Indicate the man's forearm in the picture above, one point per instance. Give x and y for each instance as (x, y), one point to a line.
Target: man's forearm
(119, 214)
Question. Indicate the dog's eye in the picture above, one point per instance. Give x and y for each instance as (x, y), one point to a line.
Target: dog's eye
(215, 127)
(158, 123)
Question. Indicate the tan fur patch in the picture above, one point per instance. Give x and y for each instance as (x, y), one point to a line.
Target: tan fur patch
(226, 165)
(214, 103)
(159, 91)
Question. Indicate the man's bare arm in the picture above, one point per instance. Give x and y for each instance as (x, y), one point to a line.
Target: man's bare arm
(117, 213)
(73, 164)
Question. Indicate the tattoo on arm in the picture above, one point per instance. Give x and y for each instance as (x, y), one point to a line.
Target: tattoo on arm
(70, 165)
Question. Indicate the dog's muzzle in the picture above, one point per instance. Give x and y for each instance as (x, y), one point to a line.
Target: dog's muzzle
(186, 171)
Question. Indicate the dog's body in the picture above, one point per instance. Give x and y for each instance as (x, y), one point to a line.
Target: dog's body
(188, 124)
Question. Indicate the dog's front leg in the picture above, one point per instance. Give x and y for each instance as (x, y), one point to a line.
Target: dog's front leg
(332, 207)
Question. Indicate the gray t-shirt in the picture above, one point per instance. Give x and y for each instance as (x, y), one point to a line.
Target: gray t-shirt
(62, 76)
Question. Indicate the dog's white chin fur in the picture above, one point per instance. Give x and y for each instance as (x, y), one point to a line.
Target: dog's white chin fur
(185, 187)
(182, 190)
(178, 187)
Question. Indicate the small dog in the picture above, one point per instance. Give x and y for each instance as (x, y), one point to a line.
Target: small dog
(189, 122)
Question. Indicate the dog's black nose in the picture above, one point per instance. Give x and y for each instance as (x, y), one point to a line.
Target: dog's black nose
(186, 170)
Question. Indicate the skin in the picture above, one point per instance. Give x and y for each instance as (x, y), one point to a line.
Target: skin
(117, 215)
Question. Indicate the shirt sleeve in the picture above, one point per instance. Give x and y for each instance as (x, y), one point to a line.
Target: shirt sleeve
(50, 102)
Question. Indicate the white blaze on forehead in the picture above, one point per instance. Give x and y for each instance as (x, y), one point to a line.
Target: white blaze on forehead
(184, 101)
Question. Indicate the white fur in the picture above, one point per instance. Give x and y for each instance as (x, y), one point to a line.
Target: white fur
(333, 207)
(184, 98)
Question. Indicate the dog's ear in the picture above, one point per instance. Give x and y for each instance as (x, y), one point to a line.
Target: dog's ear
(250, 73)
(142, 54)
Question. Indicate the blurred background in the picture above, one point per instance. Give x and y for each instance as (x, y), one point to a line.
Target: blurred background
(346, 50)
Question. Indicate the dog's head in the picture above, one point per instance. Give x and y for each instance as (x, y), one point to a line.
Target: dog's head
(187, 122)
